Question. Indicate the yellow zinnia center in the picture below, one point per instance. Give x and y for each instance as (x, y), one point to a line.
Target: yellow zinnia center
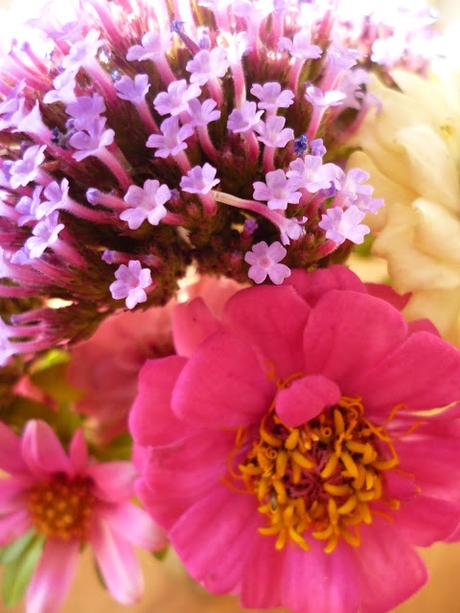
(319, 479)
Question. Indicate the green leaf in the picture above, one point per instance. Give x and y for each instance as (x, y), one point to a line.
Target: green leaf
(51, 358)
(18, 573)
(54, 382)
(15, 549)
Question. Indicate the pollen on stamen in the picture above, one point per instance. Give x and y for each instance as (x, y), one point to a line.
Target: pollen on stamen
(319, 480)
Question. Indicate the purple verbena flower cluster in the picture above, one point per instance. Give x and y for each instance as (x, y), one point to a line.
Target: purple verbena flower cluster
(157, 134)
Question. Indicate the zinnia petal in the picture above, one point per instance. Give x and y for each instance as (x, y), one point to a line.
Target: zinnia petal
(134, 524)
(193, 322)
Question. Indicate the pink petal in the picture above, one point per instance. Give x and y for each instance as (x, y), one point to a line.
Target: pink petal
(347, 334)
(13, 525)
(113, 481)
(423, 325)
(423, 373)
(134, 524)
(11, 460)
(305, 398)
(78, 452)
(261, 587)
(186, 464)
(427, 520)
(316, 582)
(119, 567)
(193, 322)
(42, 450)
(12, 493)
(215, 537)
(312, 285)
(390, 570)
(222, 385)
(151, 421)
(52, 577)
(272, 320)
(387, 293)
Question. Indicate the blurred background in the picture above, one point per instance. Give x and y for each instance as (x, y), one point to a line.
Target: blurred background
(168, 588)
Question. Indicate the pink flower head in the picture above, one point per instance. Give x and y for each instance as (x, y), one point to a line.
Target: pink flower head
(91, 140)
(133, 90)
(301, 46)
(264, 260)
(321, 99)
(172, 139)
(271, 97)
(293, 446)
(85, 110)
(343, 225)
(311, 174)
(200, 179)
(154, 45)
(146, 203)
(69, 500)
(175, 100)
(27, 169)
(278, 190)
(244, 118)
(44, 235)
(208, 64)
(273, 133)
(131, 282)
(203, 113)
(83, 52)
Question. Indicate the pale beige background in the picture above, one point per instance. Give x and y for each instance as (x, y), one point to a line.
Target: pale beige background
(169, 590)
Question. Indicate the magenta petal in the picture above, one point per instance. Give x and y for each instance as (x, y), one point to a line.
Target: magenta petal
(118, 564)
(387, 293)
(78, 452)
(305, 398)
(261, 586)
(272, 320)
(186, 464)
(42, 450)
(13, 525)
(423, 373)
(427, 520)
(113, 481)
(10, 451)
(347, 334)
(423, 325)
(192, 323)
(315, 582)
(52, 577)
(312, 285)
(222, 385)
(390, 569)
(215, 537)
(134, 524)
(151, 420)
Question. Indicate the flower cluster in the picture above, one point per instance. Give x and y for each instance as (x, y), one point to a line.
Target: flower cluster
(153, 135)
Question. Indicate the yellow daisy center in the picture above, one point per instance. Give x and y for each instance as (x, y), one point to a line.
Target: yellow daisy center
(62, 508)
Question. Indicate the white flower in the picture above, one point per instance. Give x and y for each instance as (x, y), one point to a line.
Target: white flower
(411, 149)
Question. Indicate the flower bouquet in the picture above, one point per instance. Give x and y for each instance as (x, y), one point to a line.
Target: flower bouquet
(187, 361)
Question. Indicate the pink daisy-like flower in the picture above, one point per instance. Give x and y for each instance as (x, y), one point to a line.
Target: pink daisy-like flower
(295, 458)
(68, 500)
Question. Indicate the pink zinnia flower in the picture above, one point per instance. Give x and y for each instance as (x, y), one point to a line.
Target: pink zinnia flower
(69, 500)
(294, 455)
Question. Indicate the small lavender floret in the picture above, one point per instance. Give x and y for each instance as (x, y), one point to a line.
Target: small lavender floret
(265, 261)
(131, 282)
(146, 203)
